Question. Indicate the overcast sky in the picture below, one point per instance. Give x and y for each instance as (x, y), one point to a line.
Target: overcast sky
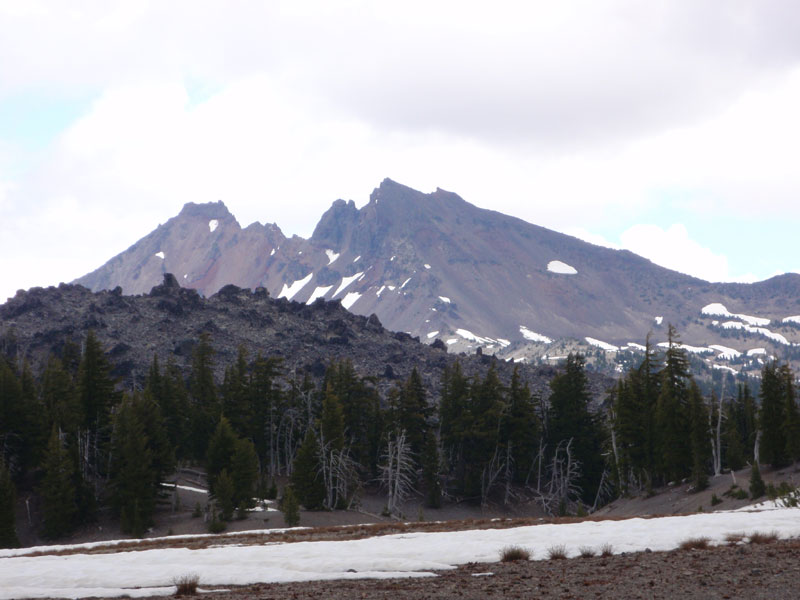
(668, 128)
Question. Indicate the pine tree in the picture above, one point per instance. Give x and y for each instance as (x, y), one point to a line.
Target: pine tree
(699, 438)
(305, 479)
(570, 419)
(332, 422)
(290, 507)
(224, 493)
(773, 417)
(413, 411)
(520, 429)
(431, 472)
(59, 496)
(134, 480)
(791, 425)
(8, 530)
(672, 420)
(221, 448)
(95, 386)
(757, 487)
(205, 405)
(244, 473)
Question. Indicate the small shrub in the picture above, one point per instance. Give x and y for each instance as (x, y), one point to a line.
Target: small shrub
(763, 538)
(772, 492)
(739, 494)
(186, 585)
(586, 552)
(606, 550)
(715, 500)
(734, 538)
(216, 525)
(513, 553)
(699, 543)
(558, 552)
(290, 506)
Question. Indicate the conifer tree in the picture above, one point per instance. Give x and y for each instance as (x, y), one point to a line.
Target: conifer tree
(59, 496)
(224, 494)
(244, 473)
(520, 429)
(791, 425)
(8, 530)
(699, 438)
(773, 417)
(290, 507)
(332, 422)
(134, 480)
(221, 448)
(95, 386)
(413, 412)
(757, 487)
(205, 406)
(569, 419)
(672, 419)
(431, 471)
(305, 479)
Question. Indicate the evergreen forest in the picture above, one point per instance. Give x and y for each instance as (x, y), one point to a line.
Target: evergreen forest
(78, 444)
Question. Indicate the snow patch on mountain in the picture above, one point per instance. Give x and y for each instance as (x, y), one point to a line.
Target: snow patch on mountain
(635, 346)
(725, 353)
(533, 336)
(212, 225)
(468, 335)
(795, 319)
(427, 266)
(562, 268)
(350, 299)
(160, 255)
(659, 320)
(716, 309)
(688, 348)
(444, 299)
(345, 282)
(318, 293)
(777, 337)
(725, 368)
(405, 282)
(357, 258)
(756, 351)
(272, 252)
(600, 344)
(289, 290)
(332, 256)
(433, 334)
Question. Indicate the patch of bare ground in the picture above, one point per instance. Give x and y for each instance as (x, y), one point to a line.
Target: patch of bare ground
(740, 571)
(317, 534)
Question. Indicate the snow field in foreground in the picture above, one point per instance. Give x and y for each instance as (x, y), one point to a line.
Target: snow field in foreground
(402, 555)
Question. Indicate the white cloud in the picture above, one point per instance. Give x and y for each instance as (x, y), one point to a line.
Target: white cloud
(674, 249)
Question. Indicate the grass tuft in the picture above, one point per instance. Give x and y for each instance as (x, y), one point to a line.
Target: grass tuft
(558, 552)
(606, 550)
(759, 537)
(586, 552)
(186, 585)
(513, 553)
(698, 543)
(734, 538)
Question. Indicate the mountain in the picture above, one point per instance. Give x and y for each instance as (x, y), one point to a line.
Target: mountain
(435, 266)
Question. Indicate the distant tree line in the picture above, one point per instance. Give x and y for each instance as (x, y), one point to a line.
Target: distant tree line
(77, 444)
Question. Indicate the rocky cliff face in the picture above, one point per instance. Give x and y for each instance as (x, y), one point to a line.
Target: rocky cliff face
(169, 320)
(435, 266)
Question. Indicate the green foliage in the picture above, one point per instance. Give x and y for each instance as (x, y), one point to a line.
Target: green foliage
(290, 507)
(224, 494)
(8, 531)
(431, 472)
(95, 386)
(305, 479)
(59, 496)
(134, 479)
(203, 393)
(757, 487)
(773, 416)
(221, 447)
(570, 419)
(244, 473)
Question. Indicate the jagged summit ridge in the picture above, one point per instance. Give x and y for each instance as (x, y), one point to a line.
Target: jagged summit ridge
(436, 266)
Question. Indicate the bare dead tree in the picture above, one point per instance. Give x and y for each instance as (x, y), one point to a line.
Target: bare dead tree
(489, 475)
(561, 488)
(339, 474)
(716, 430)
(397, 470)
